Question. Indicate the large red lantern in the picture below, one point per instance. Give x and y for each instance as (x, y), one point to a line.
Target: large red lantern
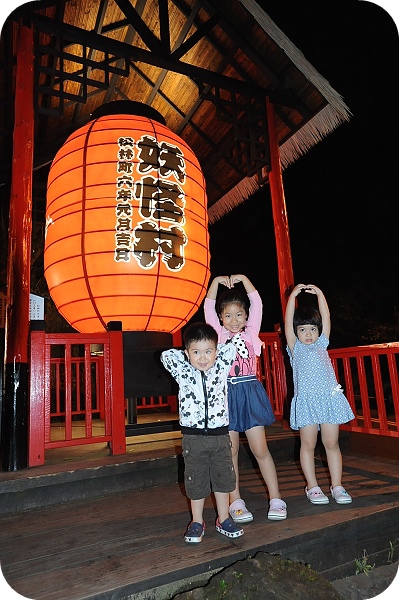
(126, 226)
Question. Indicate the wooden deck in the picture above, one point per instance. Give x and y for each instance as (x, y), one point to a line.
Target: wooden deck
(118, 545)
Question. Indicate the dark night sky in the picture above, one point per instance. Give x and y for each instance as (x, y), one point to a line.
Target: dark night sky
(342, 195)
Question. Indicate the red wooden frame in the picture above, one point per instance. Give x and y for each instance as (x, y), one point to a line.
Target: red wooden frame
(109, 391)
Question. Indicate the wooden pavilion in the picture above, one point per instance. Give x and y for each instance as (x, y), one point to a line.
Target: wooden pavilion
(222, 74)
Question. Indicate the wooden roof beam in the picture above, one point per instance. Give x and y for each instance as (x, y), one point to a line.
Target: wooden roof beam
(150, 40)
(97, 28)
(197, 74)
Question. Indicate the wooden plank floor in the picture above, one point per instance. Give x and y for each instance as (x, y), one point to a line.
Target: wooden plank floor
(115, 546)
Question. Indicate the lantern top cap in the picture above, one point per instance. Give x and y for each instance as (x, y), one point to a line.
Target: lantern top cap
(128, 107)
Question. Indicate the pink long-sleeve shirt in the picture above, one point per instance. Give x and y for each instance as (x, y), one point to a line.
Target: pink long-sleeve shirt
(251, 332)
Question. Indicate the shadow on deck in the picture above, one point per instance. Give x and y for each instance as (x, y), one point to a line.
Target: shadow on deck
(88, 526)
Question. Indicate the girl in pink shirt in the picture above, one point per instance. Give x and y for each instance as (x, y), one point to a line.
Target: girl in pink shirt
(237, 318)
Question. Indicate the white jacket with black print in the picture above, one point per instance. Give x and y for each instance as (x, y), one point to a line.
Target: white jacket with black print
(202, 394)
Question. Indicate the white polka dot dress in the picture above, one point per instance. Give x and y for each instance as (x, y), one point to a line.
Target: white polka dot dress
(318, 398)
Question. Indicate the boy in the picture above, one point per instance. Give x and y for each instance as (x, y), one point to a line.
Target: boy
(201, 371)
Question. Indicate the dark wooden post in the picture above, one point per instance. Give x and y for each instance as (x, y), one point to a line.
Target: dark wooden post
(14, 439)
(284, 260)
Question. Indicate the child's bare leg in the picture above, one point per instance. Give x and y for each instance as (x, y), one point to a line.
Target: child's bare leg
(258, 445)
(330, 439)
(197, 510)
(222, 505)
(235, 446)
(308, 437)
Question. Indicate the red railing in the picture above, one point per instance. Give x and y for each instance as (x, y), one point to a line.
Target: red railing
(80, 388)
(152, 402)
(369, 376)
(79, 399)
(271, 371)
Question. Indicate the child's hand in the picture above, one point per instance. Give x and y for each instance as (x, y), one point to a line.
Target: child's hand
(312, 289)
(223, 280)
(298, 289)
(236, 279)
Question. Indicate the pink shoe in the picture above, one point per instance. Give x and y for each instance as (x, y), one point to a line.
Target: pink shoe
(277, 510)
(340, 495)
(316, 496)
(239, 512)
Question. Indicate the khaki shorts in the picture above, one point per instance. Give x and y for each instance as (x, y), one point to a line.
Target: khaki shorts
(208, 465)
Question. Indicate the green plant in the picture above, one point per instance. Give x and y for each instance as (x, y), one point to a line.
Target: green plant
(223, 585)
(392, 546)
(363, 565)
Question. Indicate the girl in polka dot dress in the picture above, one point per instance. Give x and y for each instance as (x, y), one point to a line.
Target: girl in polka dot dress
(319, 402)
(237, 318)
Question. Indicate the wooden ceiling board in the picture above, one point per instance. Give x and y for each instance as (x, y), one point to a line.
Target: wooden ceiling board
(232, 56)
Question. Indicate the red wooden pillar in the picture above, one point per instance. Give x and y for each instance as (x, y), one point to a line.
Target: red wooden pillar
(14, 439)
(284, 260)
(37, 417)
(117, 401)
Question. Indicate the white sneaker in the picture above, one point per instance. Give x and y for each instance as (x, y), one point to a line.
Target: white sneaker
(239, 513)
(340, 495)
(316, 496)
(277, 510)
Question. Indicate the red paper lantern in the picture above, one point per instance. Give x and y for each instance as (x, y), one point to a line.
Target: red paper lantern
(126, 227)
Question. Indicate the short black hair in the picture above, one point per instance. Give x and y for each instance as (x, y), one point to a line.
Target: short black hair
(307, 315)
(199, 332)
(232, 296)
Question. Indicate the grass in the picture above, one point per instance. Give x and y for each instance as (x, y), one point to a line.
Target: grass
(392, 546)
(363, 565)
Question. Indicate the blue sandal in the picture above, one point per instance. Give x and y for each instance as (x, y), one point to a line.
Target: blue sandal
(195, 532)
(229, 528)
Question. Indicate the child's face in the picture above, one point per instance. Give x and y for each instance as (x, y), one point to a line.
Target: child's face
(202, 355)
(307, 334)
(233, 317)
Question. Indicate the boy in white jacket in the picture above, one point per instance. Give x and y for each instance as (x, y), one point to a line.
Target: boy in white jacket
(201, 371)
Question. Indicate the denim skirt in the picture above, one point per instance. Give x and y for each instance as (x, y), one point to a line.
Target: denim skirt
(249, 405)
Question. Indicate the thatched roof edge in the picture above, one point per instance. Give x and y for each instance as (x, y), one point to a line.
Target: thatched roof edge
(329, 118)
(310, 134)
(241, 192)
(297, 57)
